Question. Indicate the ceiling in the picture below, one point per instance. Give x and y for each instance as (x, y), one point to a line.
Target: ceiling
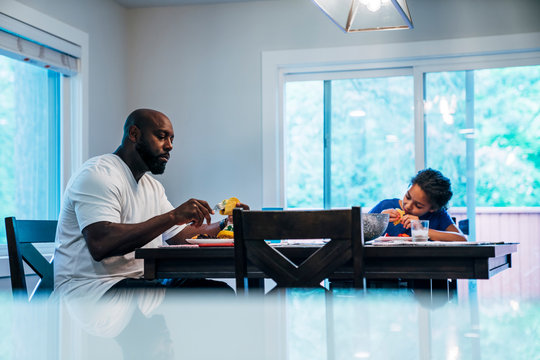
(156, 3)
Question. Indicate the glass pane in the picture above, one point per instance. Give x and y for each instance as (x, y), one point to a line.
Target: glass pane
(304, 147)
(28, 141)
(506, 133)
(372, 139)
(445, 113)
(507, 119)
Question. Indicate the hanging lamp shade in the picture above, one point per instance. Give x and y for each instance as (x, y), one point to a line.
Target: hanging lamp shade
(367, 15)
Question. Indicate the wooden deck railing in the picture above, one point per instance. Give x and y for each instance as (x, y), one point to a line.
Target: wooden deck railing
(522, 225)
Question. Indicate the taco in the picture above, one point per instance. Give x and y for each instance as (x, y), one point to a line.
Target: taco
(226, 206)
(401, 213)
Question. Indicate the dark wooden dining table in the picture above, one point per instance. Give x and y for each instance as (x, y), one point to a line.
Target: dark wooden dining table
(409, 261)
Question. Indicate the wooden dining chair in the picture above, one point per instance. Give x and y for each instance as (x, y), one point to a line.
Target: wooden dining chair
(342, 228)
(463, 225)
(21, 237)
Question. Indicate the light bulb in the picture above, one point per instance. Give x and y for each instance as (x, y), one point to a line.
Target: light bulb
(373, 5)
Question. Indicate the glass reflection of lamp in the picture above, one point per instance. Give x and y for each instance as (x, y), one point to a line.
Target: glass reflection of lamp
(366, 15)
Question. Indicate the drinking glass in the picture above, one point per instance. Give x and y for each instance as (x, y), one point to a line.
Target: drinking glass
(419, 230)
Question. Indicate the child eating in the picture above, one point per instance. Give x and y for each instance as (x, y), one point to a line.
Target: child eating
(425, 199)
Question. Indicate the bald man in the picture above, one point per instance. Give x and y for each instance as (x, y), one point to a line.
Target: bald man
(112, 206)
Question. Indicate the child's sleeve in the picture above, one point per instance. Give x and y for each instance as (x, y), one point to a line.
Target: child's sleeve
(445, 221)
(377, 208)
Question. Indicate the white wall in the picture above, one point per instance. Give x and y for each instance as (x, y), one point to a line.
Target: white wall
(201, 65)
(105, 23)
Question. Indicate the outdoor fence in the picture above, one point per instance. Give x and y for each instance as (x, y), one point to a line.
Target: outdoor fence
(509, 224)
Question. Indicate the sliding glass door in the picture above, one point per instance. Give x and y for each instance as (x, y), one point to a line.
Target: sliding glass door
(348, 141)
(483, 131)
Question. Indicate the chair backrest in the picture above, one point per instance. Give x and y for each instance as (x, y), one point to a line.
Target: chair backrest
(21, 235)
(343, 228)
(464, 226)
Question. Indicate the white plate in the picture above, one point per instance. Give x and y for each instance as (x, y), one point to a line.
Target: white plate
(210, 241)
(392, 238)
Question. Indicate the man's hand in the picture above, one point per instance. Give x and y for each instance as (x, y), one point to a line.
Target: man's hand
(193, 211)
(193, 229)
(238, 205)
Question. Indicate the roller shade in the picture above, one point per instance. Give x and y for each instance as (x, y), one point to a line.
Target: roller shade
(27, 43)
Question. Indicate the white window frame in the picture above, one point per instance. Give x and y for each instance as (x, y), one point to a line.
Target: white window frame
(422, 57)
(74, 100)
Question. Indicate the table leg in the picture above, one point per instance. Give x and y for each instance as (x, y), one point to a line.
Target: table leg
(255, 285)
(150, 269)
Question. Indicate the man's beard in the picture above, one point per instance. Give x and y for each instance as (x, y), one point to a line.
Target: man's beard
(154, 163)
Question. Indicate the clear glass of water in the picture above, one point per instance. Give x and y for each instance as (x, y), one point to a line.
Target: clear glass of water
(419, 230)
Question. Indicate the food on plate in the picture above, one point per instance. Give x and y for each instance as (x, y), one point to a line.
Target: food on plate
(226, 206)
(226, 233)
(401, 213)
(399, 235)
(202, 236)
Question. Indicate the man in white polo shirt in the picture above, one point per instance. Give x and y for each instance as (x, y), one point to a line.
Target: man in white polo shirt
(112, 206)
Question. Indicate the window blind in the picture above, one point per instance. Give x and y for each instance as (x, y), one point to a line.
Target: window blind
(26, 43)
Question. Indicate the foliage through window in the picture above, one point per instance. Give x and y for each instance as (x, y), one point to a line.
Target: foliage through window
(29, 141)
(506, 133)
(369, 135)
(351, 142)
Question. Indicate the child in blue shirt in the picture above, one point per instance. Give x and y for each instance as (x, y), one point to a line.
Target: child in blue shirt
(425, 199)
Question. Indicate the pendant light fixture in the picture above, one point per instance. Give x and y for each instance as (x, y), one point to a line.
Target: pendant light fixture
(367, 15)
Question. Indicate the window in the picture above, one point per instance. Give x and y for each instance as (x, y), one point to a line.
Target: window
(39, 117)
(507, 123)
(498, 110)
(447, 128)
(305, 144)
(476, 116)
(351, 141)
(344, 138)
(29, 138)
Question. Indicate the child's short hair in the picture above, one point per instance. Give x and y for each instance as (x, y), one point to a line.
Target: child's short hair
(436, 186)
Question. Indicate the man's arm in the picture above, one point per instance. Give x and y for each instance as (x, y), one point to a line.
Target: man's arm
(105, 239)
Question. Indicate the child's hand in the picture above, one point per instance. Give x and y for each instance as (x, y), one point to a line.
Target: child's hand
(395, 215)
(406, 220)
